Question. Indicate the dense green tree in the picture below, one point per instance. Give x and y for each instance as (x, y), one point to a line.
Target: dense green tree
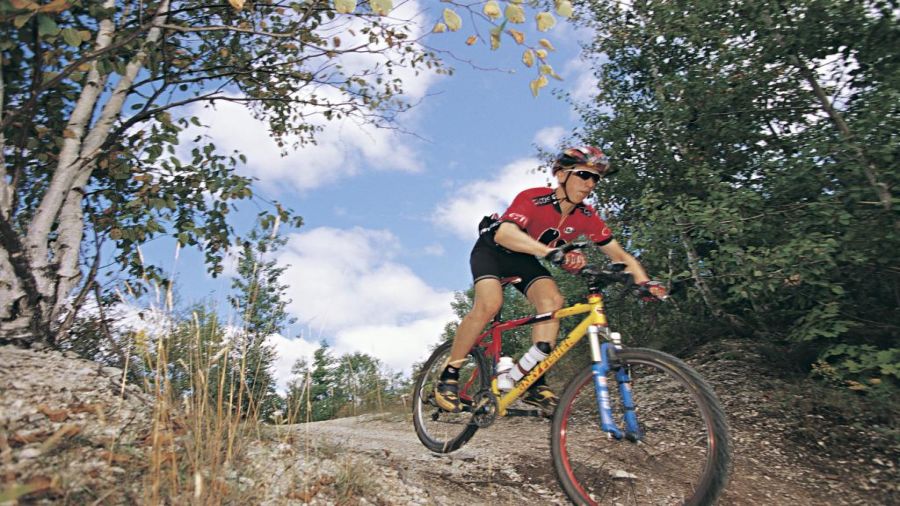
(324, 388)
(757, 154)
(260, 303)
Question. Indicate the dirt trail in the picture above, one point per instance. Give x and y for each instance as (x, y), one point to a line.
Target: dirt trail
(781, 454)
(509, 463)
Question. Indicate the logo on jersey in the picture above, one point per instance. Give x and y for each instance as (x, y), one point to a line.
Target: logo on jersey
(569, 230)
(544, 200)
(520, 219)
(587, 212)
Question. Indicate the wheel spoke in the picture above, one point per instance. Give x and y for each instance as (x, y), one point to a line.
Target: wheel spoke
(673, 463)
(443, 431)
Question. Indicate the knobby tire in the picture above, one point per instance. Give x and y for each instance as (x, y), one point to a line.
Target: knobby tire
(683, 458)
(438, 430)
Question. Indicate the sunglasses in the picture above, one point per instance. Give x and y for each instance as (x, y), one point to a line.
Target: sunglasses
(586, 174)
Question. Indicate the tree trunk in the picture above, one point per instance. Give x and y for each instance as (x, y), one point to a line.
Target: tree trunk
(37, 274)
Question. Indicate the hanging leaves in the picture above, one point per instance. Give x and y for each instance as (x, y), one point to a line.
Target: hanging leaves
(518, 36)
(454, 22)
(545, 21)
(564, 8)
(344, 6)
(537, 84)
(381, 7)
(492, 10)
(515, 14)
(528, 58)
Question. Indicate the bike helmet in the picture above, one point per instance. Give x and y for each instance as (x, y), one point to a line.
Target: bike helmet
(584, 155)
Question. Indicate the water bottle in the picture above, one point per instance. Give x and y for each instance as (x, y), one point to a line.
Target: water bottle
(528, 360)
(504, 382)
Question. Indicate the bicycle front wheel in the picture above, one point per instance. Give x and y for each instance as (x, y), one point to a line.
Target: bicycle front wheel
(683, 456)
(439, 430)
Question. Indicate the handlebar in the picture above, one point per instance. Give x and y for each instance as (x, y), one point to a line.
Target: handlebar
(597, 277)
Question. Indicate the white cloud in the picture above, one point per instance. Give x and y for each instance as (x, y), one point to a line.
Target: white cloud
(347, 284)
(289, 351)
(343, 147)
(436, 249)
(461, 214)
(584, 82)
(549, 137)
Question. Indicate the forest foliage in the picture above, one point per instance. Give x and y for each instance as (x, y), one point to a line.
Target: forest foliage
(757, 151)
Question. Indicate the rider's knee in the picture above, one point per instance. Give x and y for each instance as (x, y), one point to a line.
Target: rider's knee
(550, 302)
(485, 310)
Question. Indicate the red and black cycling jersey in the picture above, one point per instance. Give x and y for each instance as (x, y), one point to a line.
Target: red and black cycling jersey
(537, 212)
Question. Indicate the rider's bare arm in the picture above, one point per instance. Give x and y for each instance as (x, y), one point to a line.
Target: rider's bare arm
(511, 237)
(617, 254)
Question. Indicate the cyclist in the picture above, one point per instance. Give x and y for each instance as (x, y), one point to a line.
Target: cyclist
(537, 223)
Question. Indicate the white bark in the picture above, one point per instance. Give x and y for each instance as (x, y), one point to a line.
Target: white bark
(71, 223)
(67, 168)
(6, 190)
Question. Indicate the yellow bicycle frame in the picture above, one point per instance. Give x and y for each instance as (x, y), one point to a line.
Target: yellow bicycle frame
(596, 316)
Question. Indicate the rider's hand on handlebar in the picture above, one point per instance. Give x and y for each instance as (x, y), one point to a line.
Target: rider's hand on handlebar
(572, 261)
(652, 291)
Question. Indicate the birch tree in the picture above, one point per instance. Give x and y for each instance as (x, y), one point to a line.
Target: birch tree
(92, 110)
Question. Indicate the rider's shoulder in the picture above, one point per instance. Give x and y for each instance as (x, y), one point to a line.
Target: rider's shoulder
(532, 193)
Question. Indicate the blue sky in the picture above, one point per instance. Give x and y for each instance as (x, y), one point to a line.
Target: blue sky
(390, 218)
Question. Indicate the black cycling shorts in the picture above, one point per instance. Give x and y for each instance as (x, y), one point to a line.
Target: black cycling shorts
(490, 261)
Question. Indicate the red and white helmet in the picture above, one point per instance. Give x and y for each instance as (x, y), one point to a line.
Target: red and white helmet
(583, 155)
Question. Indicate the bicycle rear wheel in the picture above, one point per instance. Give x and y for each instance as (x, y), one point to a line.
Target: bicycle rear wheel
(439, 430)
(683, 456)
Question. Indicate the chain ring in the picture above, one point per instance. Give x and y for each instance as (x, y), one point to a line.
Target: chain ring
(485, 408)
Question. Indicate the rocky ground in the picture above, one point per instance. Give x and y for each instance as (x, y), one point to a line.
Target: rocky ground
(71, 434)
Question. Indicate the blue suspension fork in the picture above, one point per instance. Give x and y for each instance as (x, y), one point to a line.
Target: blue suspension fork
(600, 367)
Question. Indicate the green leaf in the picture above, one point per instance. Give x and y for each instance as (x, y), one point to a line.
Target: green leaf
(47, 26)
(72, 37)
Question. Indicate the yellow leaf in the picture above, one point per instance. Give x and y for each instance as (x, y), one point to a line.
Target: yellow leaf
(492, 9)
(381, 7)
(84, 67)
(548, 70)
(471, 40)
(537, 84)
(546, 43)
(495, 39)
(528, 58)
(542, 54)
(545, 21)
(56, 6)
(24, 4)
(439, 28)
(515, 13)
(564, 9)
(517, 35)
(454, 22)
(237, 4)
(344, 6)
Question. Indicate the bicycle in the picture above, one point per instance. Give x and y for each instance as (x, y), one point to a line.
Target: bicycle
(674, 446)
